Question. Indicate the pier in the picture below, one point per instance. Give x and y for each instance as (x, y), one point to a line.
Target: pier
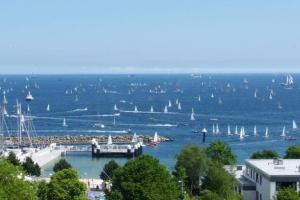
(84, 139)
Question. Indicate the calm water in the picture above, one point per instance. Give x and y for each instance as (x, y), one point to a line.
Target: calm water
(87, 99)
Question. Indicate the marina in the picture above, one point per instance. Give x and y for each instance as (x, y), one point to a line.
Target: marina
(234, 108)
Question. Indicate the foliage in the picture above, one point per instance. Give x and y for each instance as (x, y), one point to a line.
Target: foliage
(195, 162)
(31, 168)
(12, 158)
(292, 152)
(211, 196)
(12, 183)
(221, 152)
(287, 194)
(264, 154)
(64, 185)
(61, 164)
(144, 178)
(219, 181)
(108, 170)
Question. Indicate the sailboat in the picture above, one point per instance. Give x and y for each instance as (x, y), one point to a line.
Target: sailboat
(179, 106)
(29, 97)
(115, 107)
(283, 132)
(254, 131)
(295, 127)
(169, 104)
(217, 129)
(166, 109)
(151, 109)
(255, 94)
(213, 129)
(4, 99)
(228, 130)
(64, 123)
(267, 132)
(48, 108)
(270, 96)
(176, 102)
(289, 82)
(135, 109)
(236, 130)
(109, 140)
(241, 134)
(199, 98)
(212, 95)
(193, 115)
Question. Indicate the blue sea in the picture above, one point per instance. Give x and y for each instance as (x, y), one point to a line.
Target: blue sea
(227, 100)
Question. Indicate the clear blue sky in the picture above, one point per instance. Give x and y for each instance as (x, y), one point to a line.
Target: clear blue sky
(86, 36)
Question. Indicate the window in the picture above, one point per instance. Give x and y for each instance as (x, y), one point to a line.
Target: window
(260, 179)
(256, 177)
(260, 197)
(247, 171)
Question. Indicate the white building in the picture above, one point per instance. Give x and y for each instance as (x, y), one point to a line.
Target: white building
(260, 179)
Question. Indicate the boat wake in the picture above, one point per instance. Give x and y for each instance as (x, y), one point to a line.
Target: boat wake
(78, 110)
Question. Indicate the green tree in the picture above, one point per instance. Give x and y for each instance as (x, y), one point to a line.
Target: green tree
(264, 154)
(292, 152)
(64, 185)
(12, 158)
(211, 196)
(144, 178)
(61, 164)
(31, 168)
(108, 170)
(219, 181)
(287, 194)
(221, 152)
(12, 183)
(195, 162)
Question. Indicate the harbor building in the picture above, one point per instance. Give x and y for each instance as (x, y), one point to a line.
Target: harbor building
(261, 179)
(132, 149)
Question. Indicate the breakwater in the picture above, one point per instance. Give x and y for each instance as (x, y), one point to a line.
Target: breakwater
(83, 139)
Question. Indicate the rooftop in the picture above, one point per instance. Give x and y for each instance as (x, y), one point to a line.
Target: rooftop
(276, 167)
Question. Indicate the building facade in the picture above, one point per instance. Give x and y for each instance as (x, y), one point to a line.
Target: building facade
(260, 179)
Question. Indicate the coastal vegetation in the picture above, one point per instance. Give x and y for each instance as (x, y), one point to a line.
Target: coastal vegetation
(264, 154)
(108, 170)
(287, 194)
(61, 164)
(143, 178)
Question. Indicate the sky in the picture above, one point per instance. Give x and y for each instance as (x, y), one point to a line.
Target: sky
(155, 36)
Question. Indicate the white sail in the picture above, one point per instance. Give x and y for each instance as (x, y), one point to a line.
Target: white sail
(267, 132)
(199, 98)
(169, 104)
(109, 141)
(4, 111)
(295, 127)
(228, 130)
(241, 134)
(166, 109)
(212, 95)
(115, 107)
(289, 80)
(255, 94)
(114, 122)
(151, 109)
(134, 138)
(176, 102)
(213, 129)
(192, 116)
(217, 129)
(270, 96)
(283, 132)
(135, 109)
(64, 123)
(155, 138)
(254, 131)
(48, 108)
(236, 130)
(4, 98)
(179, 106)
